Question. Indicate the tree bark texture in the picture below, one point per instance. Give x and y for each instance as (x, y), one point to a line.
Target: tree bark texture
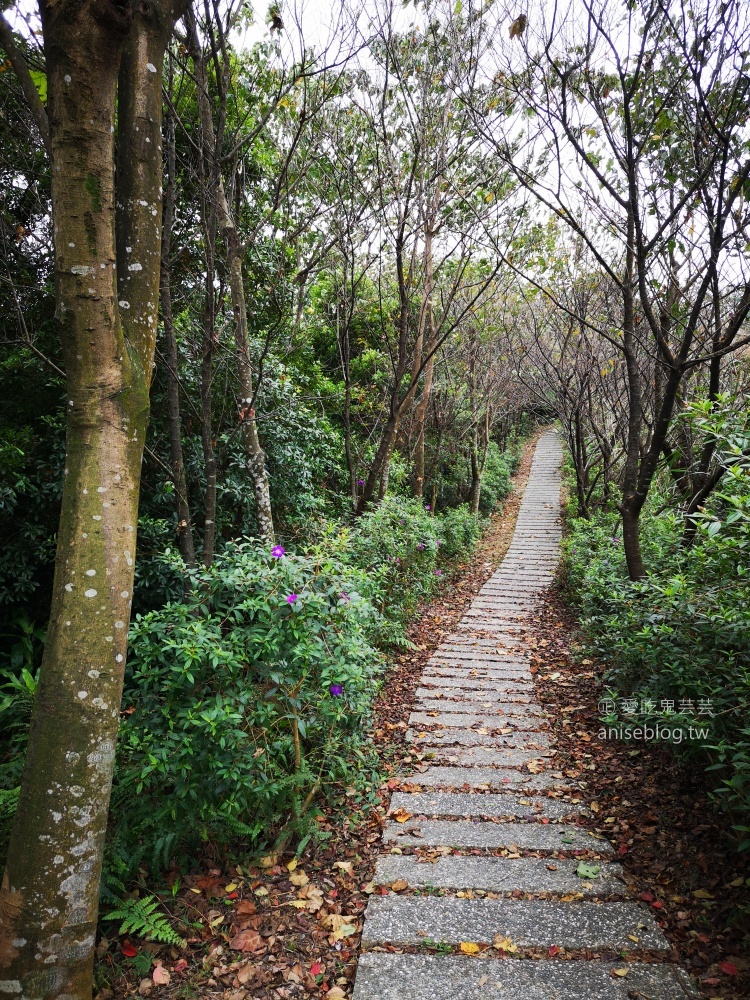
(107, 316)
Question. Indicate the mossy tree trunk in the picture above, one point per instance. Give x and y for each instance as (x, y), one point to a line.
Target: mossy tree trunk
(106, 308)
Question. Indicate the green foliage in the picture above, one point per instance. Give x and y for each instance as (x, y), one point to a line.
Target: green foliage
(142, 918)
(498, 469)
(461, 531)
(682, 636)
(397, 544)
(18, 684)
(235, 727)
(250, 699)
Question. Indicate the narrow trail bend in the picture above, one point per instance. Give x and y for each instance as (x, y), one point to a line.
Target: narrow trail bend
(491, 787)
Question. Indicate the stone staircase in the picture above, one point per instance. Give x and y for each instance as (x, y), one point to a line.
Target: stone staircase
(479, 726)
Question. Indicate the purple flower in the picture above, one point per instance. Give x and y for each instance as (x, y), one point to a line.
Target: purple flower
(401, 520)
(427, 507)
(420, 546)
(336, 690)
(440, 542)
(291, 598)
(360, 482)
(278, 551)
(438, 572)
(344, 596)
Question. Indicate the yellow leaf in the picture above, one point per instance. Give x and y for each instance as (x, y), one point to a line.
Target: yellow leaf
(299, 904)
(399, 885)
(401, 815)
(299, 878)
(620, 972)
(702, 894)
(342, 926)
(504, 944)
(345, 866)
(335, 993)
(291, 865)
(231, 887)
(469, 948)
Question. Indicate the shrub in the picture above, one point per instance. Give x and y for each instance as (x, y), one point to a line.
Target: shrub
(461, 531)
(247, 699)
(682, 636)
(496, 484)
(251, 697)
(396, 545)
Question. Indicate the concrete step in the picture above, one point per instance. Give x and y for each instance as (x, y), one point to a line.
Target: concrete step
(450, 977)
(468, 804)
(529, 923)
(464, 834)
(494, 779)
(520, 720)
(506, 875)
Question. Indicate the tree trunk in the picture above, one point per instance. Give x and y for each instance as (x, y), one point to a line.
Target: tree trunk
(630, 506)
(420, 412)
(107, 321)
(179, 479)
(476, 477)
(631, 541)
(254, 455)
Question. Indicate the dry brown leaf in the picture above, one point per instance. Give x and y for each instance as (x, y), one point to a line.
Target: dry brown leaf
(248, 940)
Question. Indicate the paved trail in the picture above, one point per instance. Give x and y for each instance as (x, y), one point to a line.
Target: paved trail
(479, 724)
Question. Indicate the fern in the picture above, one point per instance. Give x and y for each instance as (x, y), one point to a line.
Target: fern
(141, 917)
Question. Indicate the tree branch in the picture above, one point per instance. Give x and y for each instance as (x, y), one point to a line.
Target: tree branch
(21, 69)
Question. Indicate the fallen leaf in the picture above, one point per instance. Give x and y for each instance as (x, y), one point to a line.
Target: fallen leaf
(401, 815)
(128, 949)
(399, 885)
(342, 926)
(469, 948)
(336, 993)
(161, 976)
(702, 894)
(620, 972)
(345, 866)
(247, 940)
(299, 878)
(728, 968)
(504, 944)
(585, 870)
